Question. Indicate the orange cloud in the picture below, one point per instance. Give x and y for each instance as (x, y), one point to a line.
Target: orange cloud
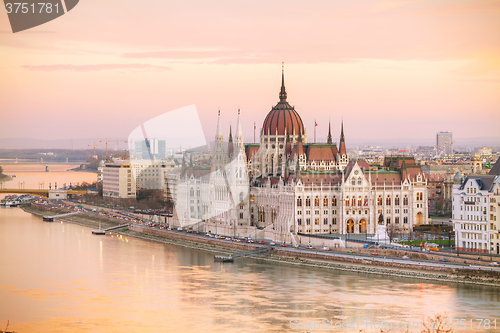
(92, 68)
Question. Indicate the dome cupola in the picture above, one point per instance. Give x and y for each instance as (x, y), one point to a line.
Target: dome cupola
(283, 116)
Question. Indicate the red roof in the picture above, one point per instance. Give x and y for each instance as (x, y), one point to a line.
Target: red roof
(283, 116)
(322, 152)
(321, 178)
(251, 150)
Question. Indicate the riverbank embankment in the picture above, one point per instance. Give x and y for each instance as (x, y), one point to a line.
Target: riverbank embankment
(283, 255)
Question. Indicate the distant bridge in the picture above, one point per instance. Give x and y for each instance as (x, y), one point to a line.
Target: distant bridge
(41, 162)
(39, 193)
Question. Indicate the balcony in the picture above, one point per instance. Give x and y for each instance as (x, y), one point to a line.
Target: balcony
(470, 202)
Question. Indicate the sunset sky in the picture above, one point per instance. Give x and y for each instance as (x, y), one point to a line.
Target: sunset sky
(391, 69)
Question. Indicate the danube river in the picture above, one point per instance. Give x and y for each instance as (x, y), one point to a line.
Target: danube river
(58, 277)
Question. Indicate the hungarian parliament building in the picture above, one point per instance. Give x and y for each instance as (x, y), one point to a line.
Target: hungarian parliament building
(284, 186)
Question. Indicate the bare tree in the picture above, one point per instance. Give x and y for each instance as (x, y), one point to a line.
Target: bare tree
(391, 231)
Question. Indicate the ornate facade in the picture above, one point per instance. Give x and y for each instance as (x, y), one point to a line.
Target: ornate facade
(284, 185)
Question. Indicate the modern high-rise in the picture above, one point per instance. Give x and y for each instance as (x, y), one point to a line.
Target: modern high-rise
(444, 143)
(149, 149)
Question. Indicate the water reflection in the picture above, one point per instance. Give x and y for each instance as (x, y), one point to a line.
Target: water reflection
(61, 278)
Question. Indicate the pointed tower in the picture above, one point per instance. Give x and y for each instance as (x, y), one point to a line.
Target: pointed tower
(342, 150)
(219, 155)
(239, 144)
(282, 91)
(329, 140)
(404, 171)
(230, 144)
(343, 158)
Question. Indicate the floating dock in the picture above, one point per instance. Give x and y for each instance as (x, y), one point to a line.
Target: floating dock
(51, 218)
(223, 259)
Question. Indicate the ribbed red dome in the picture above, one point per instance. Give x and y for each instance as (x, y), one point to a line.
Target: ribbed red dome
(282, 116)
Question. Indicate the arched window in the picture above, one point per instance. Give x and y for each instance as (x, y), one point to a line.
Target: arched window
(396, 201)
(379, 200)
(347, 201)
(388, 201)
(353, 201)
(308, 202)
(316, 201)
(360, 202)
(334, 201)
(325, 201)
(299, 202)
(365, 203)
(405, 200)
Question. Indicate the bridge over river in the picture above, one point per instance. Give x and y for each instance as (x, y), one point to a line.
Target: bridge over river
(39, 193)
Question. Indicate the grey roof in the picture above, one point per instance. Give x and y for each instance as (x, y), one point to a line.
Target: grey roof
(484, 182)
(495, 170)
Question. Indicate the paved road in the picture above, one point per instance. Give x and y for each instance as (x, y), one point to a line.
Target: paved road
(378, 258)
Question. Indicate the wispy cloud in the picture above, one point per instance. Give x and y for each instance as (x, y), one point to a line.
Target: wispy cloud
(184, 54)
(92, 68)
(239, 57)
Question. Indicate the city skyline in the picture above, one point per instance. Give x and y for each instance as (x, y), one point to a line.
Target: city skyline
(391, 70)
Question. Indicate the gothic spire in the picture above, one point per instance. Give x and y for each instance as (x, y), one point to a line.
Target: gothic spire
(329, 140)
(230, 148)
(342, 138)
(219, 129)
(283, 91)
(342, 150)
(239, 131)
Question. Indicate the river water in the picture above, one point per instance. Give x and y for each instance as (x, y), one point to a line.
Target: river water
(58, 277)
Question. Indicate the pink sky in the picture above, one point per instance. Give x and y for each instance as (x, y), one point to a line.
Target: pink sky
(391, 69)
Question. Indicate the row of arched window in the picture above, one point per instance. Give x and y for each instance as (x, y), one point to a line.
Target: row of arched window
(326, 201)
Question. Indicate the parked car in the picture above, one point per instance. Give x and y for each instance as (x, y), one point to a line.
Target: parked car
(283, 244)
(406, 257)
(272, 243)
(494, 263)
(262, 242)
(326, 248)
(443, 260)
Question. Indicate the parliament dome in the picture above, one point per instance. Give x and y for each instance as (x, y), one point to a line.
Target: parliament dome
(283, 116)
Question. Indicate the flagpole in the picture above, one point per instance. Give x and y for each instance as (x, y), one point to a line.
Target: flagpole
(254, 132)
(315, 130)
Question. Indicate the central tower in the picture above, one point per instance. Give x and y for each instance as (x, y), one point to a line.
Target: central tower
(281, 130)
